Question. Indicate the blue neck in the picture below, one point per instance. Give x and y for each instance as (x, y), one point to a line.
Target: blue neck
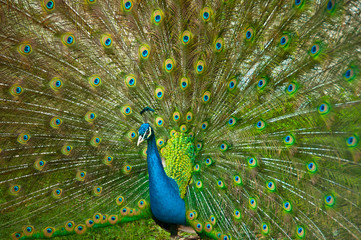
(165, 202)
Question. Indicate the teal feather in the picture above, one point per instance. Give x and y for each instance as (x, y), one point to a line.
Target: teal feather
(254, 110)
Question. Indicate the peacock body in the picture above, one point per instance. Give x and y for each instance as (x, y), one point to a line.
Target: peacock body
(250, 110)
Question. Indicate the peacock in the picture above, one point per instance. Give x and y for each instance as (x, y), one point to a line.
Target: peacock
(239, 119)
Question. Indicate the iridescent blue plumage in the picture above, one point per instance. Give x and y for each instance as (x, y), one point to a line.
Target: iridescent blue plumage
(165, 201)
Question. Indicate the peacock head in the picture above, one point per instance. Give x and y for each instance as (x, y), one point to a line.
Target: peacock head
(145, 132)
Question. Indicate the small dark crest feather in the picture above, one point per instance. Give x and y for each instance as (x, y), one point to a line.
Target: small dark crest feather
(146, 109)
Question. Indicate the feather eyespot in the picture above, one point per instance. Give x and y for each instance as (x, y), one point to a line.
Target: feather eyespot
(352, 141)
(206, 14)
(104, 219)
(312, 167)
(287, 206)
(159, 122)
(198, 227)
(169, 65)
(112, 219)
(299, 3)
(324, 108)
(289, 140)
(191, 215)
(262, 83)
(196, 168)
(183, 128)
(16, 235)
(106, 41)
(329, 200)
(225, 237)
(206, 97)
(89, 223)
(291, 89)
(90, 116)
(144, 51)
(49, 5)
(160, 142)
(252, 162)
(173, 133)
(97, 217)
(68, 39)
(48, 231)
(28, 230)
(232, 84)
(284, 41)
(55, 122)
(176, 116)
(107, 160)
(237, 180)
(56, 83)
(142, 204)
(132, 135)
(300, 232)
(349, 74)
(91, 1)
(213, 219)
(186, 37)
(184, 82)
(127, 110)
(219, 44)
(199, 146)
(208, 161)
(80, 229)
(315, 50)
(130, 81)
(271, 186)
(189, 117)
(120, 200)
(157, 17)
(23, 138)
(221, 184)
(95, 81)
(97, 190)
(56, 193)
(127, 5)
(208, 227)
(223, 147)
(199, 184)
(252, 203)
(16, 90)
(25, 49)
(249, 34)
(127, 168)
(15, 189)
(95, 141)
(69, 226)
(204, 125)
(260, 125)
(159, 93)
(200, 66)
(237, 214)
(265, 228)
(232, 121)
(80, 175)
(331, 4)
(39, 164)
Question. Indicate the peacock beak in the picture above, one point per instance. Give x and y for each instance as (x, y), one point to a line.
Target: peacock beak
(140, 140)
(146, 135)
